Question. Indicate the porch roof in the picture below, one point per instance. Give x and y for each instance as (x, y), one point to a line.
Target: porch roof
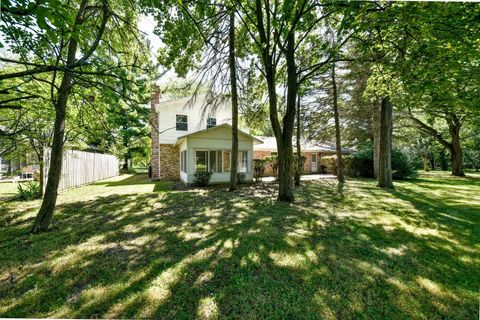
(215, 128)
(270, 144)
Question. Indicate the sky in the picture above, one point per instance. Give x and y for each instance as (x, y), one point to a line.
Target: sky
(147, 24)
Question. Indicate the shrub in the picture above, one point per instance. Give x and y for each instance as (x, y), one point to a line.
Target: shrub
(328, 164)
(202, 178)
(360, 163)
(402, 167)
(240, 177)
(273, 162)
(28, 191)
(302, 164)
(259, 168)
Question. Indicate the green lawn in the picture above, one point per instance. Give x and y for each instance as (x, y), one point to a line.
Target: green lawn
(129, 248)
(7, 189)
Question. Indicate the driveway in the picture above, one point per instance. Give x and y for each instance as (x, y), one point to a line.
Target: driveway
(307, 177)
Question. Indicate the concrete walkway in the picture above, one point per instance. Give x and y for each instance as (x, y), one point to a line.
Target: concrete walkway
(307, 177)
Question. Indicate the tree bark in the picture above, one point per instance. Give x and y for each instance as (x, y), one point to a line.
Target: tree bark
(42, 167)
(286, 152)
(338, 141)
(456, 152)
(376, 138)
(283, 134)
(385, 157)
(454, 147)
(125, 164)
(234, 94)
(298, 170)
(45, 214)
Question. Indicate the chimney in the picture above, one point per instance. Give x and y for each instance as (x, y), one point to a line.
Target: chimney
(155, 159)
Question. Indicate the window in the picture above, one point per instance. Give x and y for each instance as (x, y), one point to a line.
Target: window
(242, 161)
(182, 123)
(216, 160)
(314, 157)
(211, 122)
(183, 161)
(201, 159)
(212, 161)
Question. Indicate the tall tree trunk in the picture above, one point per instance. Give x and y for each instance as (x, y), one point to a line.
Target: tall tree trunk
(42, 175)
(298, 170)
(283, 134)
(376, 138)
(45, 214)
(385, 158)
(456, 152)
(338, 141)
(234, 94)
(286, 152)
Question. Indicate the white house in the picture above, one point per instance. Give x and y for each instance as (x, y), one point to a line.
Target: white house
(188, 136)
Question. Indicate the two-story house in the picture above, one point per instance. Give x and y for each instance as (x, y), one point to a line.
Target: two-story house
(188, 136)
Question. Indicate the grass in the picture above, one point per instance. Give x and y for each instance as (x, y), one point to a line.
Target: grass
(127, 248)
(8, 189)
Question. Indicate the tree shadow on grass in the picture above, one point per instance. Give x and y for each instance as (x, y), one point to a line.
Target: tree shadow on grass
(207, 252)
(137, 179)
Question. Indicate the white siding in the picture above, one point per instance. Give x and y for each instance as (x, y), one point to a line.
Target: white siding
(195, 144)
(167, 112)
(183, 147)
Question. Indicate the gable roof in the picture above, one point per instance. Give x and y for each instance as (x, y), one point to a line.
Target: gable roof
(270, 144)
(223, 125)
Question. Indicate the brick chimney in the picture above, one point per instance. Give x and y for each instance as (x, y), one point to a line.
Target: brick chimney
(155, 162)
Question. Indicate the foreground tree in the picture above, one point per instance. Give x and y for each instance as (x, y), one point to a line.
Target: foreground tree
(385, 145)
(338, 140)
(234, 97)
(201, 38)
(67, 51)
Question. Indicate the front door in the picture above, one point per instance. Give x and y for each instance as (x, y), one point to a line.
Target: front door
(314, 162)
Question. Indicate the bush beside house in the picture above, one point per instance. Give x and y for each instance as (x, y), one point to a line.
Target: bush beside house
(360, 164)
(259, 166)
(202, 178)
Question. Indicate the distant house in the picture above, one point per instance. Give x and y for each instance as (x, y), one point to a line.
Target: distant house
(27, 172)
(4, 166)
(186, 139)
(313, 152)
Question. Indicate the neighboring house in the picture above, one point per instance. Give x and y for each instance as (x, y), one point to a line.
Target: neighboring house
(313, 152)
(4, 165)
(27, 172)
(187, 140)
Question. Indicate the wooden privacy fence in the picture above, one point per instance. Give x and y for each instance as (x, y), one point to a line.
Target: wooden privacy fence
(80, 168)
